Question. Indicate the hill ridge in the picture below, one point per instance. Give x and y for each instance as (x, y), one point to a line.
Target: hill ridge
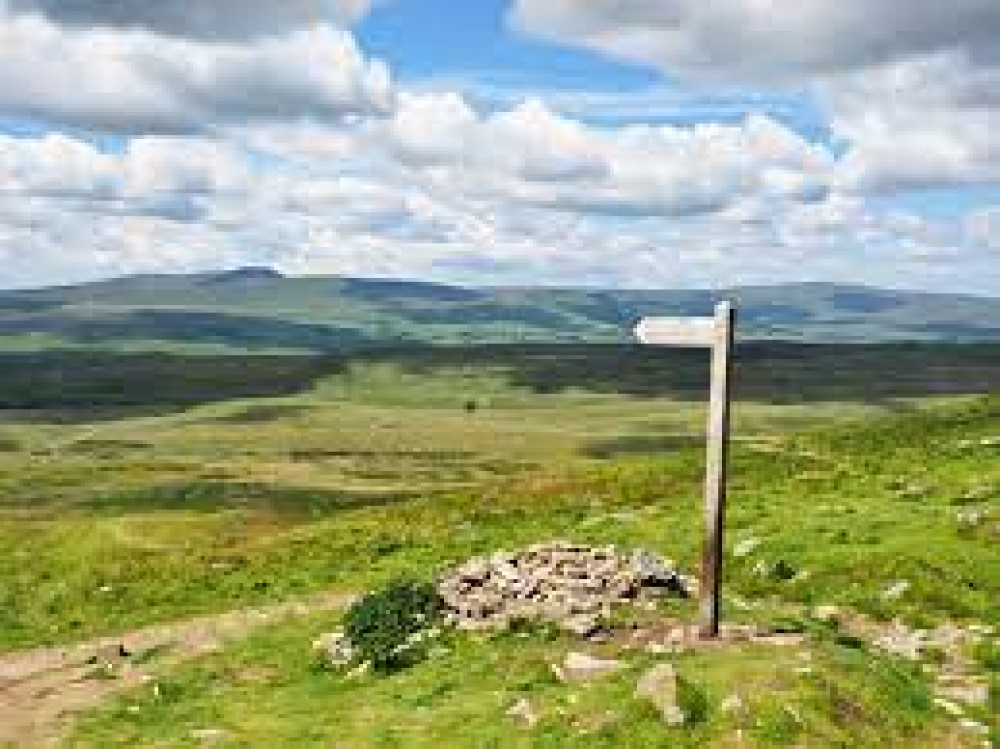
(256, 309)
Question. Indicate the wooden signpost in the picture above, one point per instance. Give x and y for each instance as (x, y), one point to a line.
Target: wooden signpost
(718, 334)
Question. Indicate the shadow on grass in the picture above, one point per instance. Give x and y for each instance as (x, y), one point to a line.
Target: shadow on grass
(67, 387)
(769, 372)
(73, 387)
(212, 496)
(183, 327)
(261, 413)
(639, 444)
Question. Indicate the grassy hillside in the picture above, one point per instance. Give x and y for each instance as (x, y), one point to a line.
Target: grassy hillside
(259, 310)
(370, 436)
(346, 472)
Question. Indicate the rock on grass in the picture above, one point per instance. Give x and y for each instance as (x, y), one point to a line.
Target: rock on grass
(660, 687)
(580, 667)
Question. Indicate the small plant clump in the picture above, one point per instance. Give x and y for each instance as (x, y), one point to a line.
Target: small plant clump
(389, 628)
(692, 701)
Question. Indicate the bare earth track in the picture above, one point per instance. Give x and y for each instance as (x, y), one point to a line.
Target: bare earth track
(41, 690)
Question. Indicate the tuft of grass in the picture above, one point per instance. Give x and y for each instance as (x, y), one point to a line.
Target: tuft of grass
(693, 701)
(987, 654)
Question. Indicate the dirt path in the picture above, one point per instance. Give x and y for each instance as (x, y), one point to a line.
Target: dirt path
(42, 690)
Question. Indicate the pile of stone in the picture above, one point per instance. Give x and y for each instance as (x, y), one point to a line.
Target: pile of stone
(559, 582)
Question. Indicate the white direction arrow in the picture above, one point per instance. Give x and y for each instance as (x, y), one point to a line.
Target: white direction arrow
(677, 331)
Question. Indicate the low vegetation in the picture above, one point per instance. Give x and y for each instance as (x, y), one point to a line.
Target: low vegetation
(134, 512)
(382, 626)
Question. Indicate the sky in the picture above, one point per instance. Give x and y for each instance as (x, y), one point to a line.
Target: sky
(608, 143)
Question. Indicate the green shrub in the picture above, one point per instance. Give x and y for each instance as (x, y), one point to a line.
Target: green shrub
(782, 571)
(847, 640)
(788, 625)
(988, 654)
(384, 627)
(693, 702)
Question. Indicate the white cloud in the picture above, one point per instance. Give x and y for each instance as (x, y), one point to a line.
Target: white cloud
(136, 81)
(58, 165)
(293, 149)
(203, 19)
(912, 86)
(432, 127)
(736, 41)
(55, 165)
(654, 207)
(982, 227)
(188, 165)
(930, 122)
(532, 156)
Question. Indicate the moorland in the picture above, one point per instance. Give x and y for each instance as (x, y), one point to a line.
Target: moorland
(145, 487)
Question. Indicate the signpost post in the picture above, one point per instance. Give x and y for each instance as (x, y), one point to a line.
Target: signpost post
(718, 334)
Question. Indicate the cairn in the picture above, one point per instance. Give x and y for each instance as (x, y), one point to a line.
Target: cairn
(560, 582)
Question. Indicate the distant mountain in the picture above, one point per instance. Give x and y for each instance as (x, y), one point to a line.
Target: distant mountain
(260, 310)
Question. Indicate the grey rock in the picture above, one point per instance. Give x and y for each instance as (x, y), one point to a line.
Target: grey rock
(746, 547)
(335, 649)
(209, 736)
(581, 625)
(900, 641)
(659, 687)
(971, 693)
(580, 667)
(654, 572)
(524, 712)
(974, 727)
(555, 581)
(360, 671)
(972, 518)
(826, 613)
(896, 590)
(949, 707)
(732, 704)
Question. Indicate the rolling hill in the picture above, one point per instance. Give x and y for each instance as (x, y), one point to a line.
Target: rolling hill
(260, 310)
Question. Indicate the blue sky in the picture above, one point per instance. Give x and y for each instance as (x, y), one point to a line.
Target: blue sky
(425, 39)
(557, 142)
(469, 46)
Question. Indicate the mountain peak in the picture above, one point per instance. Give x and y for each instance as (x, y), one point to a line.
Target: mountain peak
(246, 273)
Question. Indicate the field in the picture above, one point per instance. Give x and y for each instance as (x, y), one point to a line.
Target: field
(144, 488)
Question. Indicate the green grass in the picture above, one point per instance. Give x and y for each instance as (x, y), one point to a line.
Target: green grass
(127, 517)
(268, 691)
(193, 523)
(377, 471)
